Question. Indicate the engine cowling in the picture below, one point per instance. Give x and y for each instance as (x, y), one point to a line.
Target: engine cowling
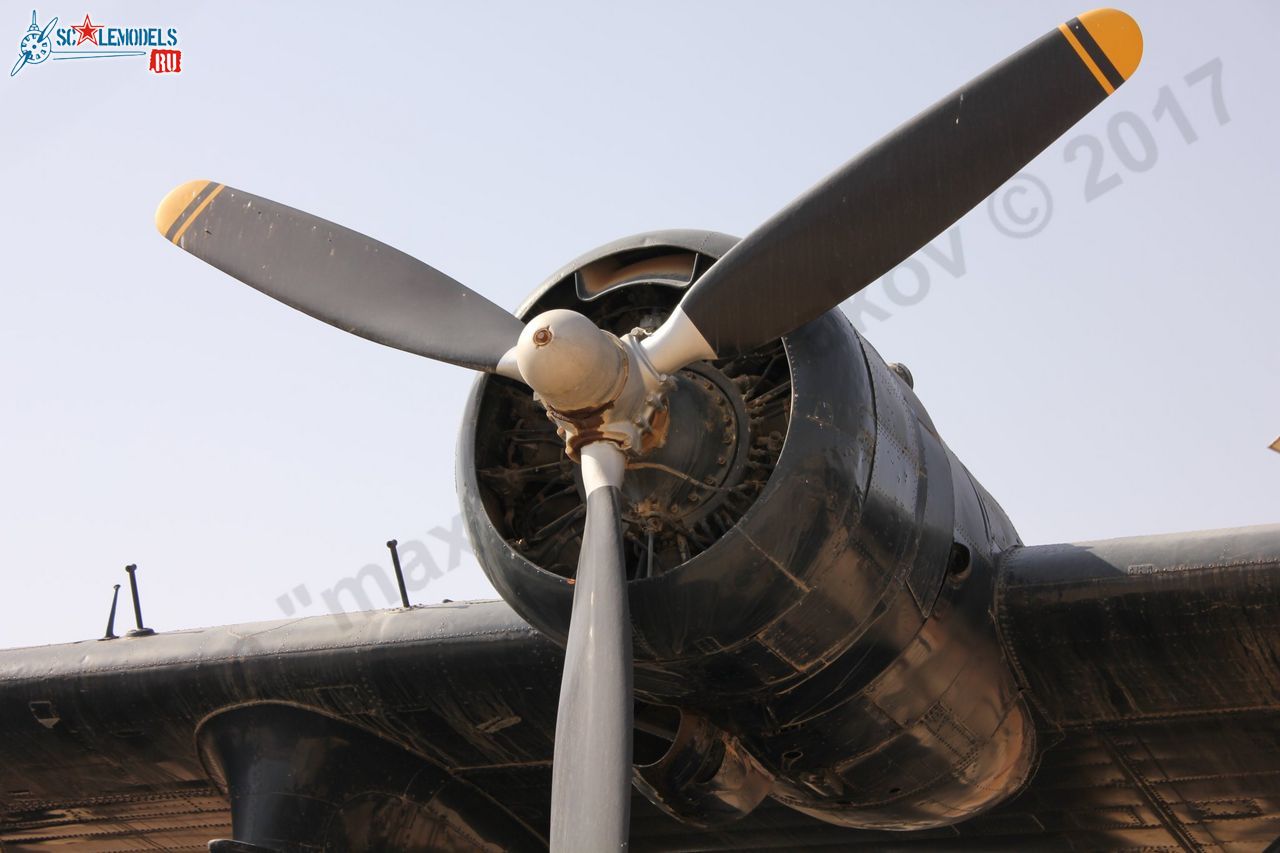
(810, 568)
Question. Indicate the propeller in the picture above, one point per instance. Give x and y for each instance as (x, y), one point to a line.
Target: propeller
(591, 770)
(603, 391)
(875, 211)
(337, 275)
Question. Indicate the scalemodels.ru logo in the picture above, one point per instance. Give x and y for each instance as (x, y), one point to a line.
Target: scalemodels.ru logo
(96, 41)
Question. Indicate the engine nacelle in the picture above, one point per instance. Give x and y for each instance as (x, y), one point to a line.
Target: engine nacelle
(810, 568)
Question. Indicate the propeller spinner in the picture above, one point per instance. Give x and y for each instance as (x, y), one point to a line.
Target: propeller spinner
(605, 392)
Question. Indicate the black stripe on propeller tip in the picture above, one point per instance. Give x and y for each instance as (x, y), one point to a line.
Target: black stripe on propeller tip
(337, 275)
(879, 208)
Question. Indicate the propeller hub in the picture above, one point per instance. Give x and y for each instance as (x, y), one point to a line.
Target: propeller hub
(594, 386)
(572, 364)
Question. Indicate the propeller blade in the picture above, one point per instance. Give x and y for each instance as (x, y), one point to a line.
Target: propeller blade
(591, 772)
(339, 276)
(895, 197)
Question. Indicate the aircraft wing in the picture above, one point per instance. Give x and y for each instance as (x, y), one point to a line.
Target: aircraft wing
(1151, 662)
(1157, 660)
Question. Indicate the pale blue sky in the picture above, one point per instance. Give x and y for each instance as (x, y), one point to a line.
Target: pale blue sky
(1114, 374)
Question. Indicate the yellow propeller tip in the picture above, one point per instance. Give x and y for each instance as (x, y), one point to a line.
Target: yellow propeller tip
(1119, 37)
(175, 203)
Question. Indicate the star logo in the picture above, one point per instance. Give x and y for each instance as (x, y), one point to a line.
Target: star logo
(87, 32)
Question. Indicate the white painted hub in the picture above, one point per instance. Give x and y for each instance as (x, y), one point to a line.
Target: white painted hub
(570, 362)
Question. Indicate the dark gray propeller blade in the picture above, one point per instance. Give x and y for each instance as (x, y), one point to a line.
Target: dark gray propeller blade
(337, 275)
(591, 770)
(895, 197)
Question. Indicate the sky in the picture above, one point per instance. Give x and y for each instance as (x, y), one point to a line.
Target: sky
(1098, 346)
